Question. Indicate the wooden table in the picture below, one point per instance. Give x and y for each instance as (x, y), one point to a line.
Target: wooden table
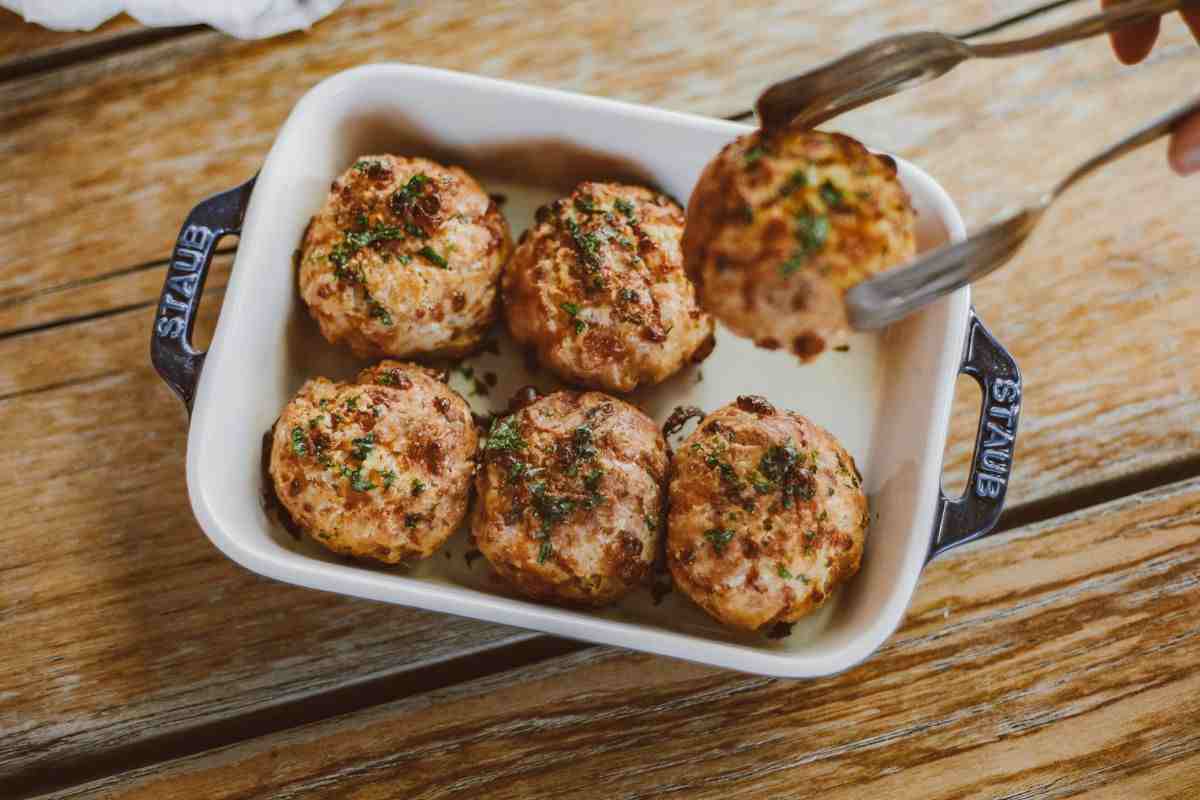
(1058, 659)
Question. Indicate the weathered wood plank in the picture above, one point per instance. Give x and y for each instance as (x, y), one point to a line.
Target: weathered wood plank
(121, 621)
(196, 115)
(1105, 285)
(1057, 661)
(87, 298)
(21, 40)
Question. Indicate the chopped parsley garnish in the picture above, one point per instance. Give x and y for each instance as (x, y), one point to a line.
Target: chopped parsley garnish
(403, 197)
(388, 378)
(581, 442)
(719, 537)
(545, 551)
(592, 479)
(518, 470)
(415, 231)
(389, 478)
(404, 259)
(505, 436)
(651, 523)
(369, 167)
(761, 485)
(379, 311)
(812, 231)
(429, 253)
(625, 207)
(782, 466)
(352, 403)
(754, 154)
(298, 445)
(831, 194)
(411, 520)
(314, 422)
(362, 447)
(341, 253)
(418, 487)
(358, 483)
(572, 311)
(783, 572)
(588, 244)
(550, 508)
(586, 203)
(797, 180)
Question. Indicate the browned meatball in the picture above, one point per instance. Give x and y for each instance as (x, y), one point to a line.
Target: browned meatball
(780, 225)
(767, 516)
(378, 469)
(570, 495)
(403, 259)
(597, 289)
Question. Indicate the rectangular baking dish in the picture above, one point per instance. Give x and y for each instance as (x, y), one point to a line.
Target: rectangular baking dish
(888, 399)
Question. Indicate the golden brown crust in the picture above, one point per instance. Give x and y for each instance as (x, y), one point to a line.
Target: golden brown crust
(767, 515)
(569, 498)
(780, 225)
(403, 259)
(597, 289)
(380, 469)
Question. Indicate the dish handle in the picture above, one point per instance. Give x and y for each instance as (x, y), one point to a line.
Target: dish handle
(171, 351)
(973, 515)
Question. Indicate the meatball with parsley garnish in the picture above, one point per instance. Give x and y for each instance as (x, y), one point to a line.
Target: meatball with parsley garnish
(781, 224)
(768, 515)
(379, 469)
(403, 259)
(596, 288)
(570, 498)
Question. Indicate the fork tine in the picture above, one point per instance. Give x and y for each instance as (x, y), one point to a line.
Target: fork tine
(1005, 22)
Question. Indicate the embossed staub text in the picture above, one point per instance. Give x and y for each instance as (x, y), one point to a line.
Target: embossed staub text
(994, 459)
(183, 278)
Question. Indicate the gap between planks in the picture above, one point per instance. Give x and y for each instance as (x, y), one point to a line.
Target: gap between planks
(487, 661)
(90, 50)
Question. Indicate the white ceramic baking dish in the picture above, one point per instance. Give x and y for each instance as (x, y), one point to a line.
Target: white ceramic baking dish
(888, 399)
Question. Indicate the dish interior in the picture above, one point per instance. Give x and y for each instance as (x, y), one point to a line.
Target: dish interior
(886, 398)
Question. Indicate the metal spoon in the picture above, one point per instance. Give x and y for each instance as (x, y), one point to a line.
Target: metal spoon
(896, 63)
(897, 293)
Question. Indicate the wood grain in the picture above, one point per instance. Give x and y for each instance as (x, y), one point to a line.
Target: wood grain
(122, 623)
(1057, 661)
(20, 40)
(1096, 308)
(124, 628)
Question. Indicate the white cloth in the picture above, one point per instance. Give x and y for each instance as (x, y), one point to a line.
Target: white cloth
(245, 19)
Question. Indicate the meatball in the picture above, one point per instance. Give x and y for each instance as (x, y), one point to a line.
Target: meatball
(781, 224)
(767, 515)
(570, 498)
(597, 289)
(379, 469)
(403, 259)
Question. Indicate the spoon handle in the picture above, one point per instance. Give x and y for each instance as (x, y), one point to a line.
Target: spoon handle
(1144, 135)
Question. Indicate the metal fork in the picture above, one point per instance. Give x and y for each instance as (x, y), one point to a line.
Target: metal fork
(897, 293)
(896, 63)
(901, 62)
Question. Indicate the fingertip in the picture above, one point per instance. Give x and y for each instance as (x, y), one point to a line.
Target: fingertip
(1192, 17)
(1133, 43)
(1184, 151)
